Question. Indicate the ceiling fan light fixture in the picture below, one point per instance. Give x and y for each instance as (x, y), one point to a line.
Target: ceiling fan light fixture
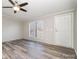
(16, 8)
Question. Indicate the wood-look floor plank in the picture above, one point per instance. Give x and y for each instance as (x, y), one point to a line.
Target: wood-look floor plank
(23, 49)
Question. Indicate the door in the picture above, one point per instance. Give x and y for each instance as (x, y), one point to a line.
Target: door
(64, 29)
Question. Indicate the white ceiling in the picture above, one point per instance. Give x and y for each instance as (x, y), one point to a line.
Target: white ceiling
(36, 8)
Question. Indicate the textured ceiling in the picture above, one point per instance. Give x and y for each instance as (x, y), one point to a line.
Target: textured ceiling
(36, 8)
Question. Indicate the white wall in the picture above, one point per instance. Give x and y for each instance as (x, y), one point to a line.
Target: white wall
(26, 30)
(47, 35)
(11, 29)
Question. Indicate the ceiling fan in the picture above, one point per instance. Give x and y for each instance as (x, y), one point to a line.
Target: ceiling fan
(16, 6)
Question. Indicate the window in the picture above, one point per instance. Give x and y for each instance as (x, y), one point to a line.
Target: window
(33, 29)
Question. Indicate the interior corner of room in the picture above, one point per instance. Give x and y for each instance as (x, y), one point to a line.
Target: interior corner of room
(51, 29)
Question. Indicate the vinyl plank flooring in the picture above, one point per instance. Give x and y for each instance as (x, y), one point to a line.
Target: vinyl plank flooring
(24, 49)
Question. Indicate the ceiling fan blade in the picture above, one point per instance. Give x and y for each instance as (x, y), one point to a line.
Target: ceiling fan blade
(11, 2)
(14, 11)
(16, 2)
(7, 7)
(23, 10)
(23, 4)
